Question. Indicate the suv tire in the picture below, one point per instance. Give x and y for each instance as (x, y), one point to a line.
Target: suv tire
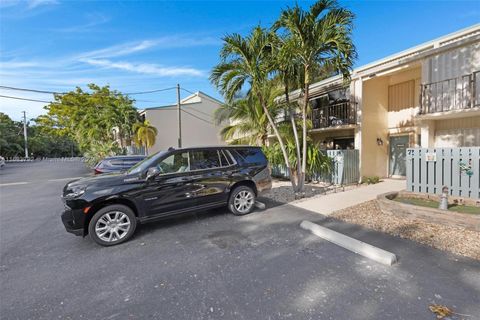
(241, 200)
(112, 225)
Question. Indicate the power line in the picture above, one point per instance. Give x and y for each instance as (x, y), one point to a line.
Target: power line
(151, 91)
(195, 116)
(24, 99)
(171, 108)
(199, 111)
(57, 92)
(29, 90)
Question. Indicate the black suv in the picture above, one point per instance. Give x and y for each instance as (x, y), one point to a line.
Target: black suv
(117, 164)
(109, 206)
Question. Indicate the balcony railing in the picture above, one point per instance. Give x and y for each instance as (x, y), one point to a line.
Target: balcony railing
(453, 94)
(334, 115)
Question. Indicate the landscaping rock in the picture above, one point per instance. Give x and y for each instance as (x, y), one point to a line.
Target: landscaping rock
(454, 239)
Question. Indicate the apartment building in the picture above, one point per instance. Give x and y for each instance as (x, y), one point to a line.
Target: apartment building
(426, 96)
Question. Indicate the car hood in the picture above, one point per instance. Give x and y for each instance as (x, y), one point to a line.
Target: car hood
(107, 179)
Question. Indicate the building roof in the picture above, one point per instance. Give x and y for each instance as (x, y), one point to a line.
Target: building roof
(191, 99)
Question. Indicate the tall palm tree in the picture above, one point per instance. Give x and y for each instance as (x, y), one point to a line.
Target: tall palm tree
(145, 134)
(248, 123)
(320, 38)
(289, 74)
(246, 61)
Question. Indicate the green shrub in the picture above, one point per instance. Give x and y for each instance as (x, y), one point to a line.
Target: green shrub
(371, 180)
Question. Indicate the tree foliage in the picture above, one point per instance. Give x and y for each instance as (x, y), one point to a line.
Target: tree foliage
(302, 46)
(92, 118)
(145, 134)
(42, 142)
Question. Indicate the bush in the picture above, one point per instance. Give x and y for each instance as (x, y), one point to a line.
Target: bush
(371, 180)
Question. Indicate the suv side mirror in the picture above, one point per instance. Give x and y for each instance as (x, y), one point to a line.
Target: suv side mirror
(152, 172)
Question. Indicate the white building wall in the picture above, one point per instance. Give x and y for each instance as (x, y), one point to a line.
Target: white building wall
(451, 64)
(462, 132)
(198, 128)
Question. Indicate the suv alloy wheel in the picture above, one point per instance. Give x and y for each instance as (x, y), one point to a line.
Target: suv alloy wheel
(112, 225)
(241, 201)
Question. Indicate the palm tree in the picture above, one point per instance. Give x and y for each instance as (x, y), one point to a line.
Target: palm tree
(320, 38)
(248, 123)
(145, 134)
(289, 75)
(247, 61)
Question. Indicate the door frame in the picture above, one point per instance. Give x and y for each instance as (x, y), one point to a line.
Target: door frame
(396, 135)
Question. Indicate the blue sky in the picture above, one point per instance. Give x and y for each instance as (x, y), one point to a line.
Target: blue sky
(55, 45)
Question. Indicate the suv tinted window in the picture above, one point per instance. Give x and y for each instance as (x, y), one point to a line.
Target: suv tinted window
(177, 162)
(225, 160)
(250, 156)
(204, 159)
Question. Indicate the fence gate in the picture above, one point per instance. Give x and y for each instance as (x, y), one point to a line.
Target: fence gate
(344, 168)
(429, 169)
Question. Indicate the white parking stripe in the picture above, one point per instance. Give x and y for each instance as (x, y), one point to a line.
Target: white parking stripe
(63, 179)
(12, 184)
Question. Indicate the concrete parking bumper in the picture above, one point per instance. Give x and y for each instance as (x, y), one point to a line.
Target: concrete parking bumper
(351, 244)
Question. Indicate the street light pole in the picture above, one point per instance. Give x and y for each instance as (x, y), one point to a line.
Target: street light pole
(179, 116)
(25, 133)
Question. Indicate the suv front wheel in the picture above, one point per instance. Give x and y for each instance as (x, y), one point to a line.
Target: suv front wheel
(112, 225)
(241, 201)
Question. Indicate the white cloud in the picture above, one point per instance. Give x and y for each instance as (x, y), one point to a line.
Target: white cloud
(118, 50)
(146, 68)
(167, 42)
(13, 64)
(92, 20)
(32, 4)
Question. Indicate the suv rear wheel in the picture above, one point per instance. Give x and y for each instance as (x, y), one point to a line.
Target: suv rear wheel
(241, 201)
(112, 225)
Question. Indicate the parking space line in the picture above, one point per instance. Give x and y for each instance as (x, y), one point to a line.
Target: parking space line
(64, 179)
(12, 184)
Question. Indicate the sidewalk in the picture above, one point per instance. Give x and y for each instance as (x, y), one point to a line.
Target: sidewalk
(337, 201)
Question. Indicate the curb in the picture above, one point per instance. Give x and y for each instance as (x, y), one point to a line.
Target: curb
(260, 205)
(354, 245)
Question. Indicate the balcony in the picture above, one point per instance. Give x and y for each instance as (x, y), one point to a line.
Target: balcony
(335, 115)
(462, 93)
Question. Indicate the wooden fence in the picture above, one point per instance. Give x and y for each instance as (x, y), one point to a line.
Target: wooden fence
(430, 169)
(344, 170)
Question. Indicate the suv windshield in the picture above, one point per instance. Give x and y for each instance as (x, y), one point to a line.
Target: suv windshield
(145, 164)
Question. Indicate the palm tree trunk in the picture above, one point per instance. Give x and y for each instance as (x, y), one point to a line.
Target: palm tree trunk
(280, 141)
(304, 129)
(295, 134)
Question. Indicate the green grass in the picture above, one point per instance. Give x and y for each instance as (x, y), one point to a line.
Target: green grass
(434, 204)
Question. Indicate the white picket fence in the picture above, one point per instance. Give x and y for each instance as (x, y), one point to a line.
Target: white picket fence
(430, 169)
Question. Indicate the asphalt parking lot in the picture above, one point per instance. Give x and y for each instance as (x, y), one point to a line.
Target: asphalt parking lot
(210, 265)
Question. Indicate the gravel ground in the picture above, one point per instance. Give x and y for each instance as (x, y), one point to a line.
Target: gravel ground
(282, 191)
(448, 238)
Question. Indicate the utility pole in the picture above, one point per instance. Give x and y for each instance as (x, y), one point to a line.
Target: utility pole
(25, 133)
(179, 116)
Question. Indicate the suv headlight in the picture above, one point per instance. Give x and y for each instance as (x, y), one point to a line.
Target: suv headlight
(76, 191)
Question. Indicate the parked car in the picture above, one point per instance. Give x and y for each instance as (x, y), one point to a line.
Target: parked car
(108, 207)
(117, 164)
(2, 161)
